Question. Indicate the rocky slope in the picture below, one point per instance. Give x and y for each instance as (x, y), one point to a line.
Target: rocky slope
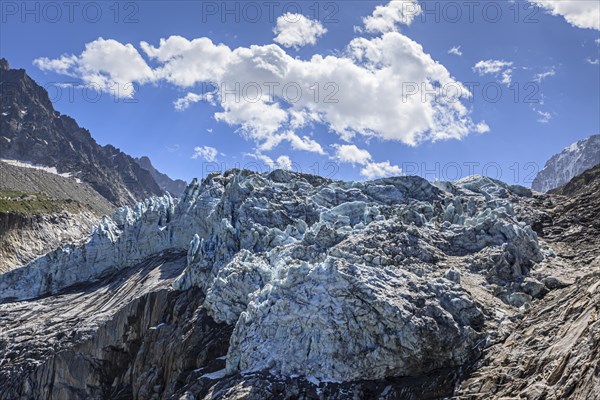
(307, 288)
(31, 130)
(554, 350)
(39, 211)
(569, 163)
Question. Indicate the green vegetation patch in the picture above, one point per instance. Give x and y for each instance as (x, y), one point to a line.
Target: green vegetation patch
(34, 203)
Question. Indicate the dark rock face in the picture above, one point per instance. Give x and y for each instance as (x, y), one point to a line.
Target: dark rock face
(569, 163)
(4, 64)
(23, 238)
(174, 187)
(125, 337)
(31, 130)
(554, 352)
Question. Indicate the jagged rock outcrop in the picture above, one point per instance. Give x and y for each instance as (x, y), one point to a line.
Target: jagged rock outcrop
(554, 350)
(32, 131)
(569, 163)
(110, 339)
(552, 354)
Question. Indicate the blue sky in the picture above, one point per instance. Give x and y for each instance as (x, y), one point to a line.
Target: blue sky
(361, 67)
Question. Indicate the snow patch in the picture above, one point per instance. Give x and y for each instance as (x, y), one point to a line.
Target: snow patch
(216, 375)
(27, 164)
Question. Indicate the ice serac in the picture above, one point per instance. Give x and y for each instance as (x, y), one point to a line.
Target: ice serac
(320, 277)
(569, 163)
(330, 280)
(132, 235)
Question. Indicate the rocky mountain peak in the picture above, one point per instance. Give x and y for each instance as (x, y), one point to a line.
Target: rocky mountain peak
(564, 166)
(32, 131)
(174, 187)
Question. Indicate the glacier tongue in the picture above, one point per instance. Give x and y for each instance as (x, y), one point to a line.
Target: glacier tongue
(334, 280)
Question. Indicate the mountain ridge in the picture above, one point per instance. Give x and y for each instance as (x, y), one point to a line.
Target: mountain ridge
(31, 130)
(569, 163)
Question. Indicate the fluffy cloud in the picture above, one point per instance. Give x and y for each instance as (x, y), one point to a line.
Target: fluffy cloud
(106, 65)
(349, 153)
(295, 30)
(499, 68)
(184, 103)
(455, 50)
(206, 153)
(284, 162)
(186, 62)
(380, 170)
(62, 65)
(303, 143)
(482, 127)
(379, 69)
(373, 88)
(386, 18)
(579, 13)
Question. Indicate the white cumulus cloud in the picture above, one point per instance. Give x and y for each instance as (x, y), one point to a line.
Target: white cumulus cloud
(386, 18)
(349, 153)
(380, 170)
(366, 89)
(284, 162)
(295, 30)
(579, 13)
(482, 127)
(106, 65)
(206, 153)
(184, 103)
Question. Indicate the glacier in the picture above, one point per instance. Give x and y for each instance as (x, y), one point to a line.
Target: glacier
(332, 280)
